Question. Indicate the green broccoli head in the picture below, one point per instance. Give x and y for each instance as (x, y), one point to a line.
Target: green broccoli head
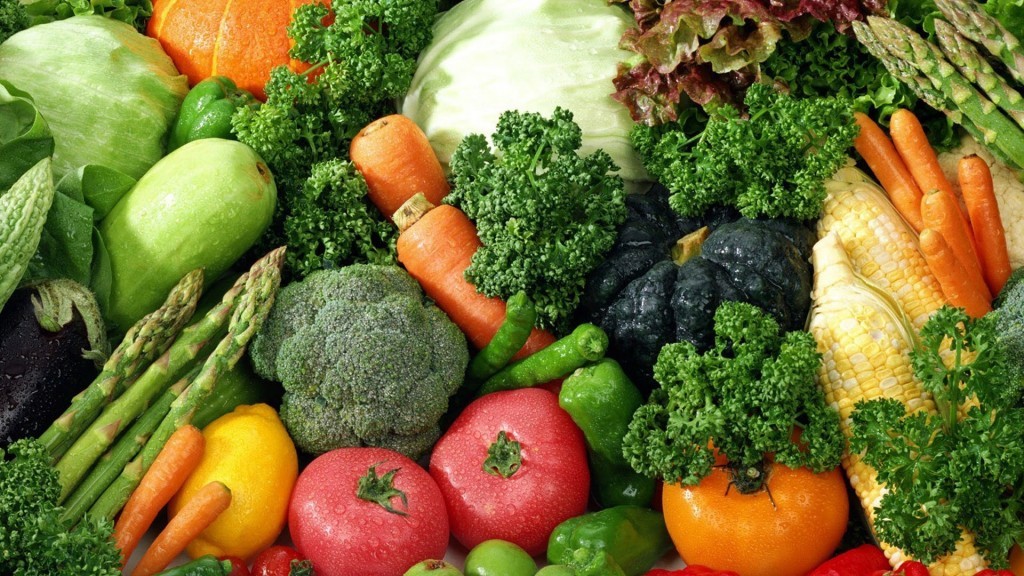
(365, 360)
(1010, 329)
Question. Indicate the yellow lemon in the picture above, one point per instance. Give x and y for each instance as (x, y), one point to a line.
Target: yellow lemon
(250, 451)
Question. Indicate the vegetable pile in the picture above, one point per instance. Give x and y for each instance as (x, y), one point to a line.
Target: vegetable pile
(472, 287)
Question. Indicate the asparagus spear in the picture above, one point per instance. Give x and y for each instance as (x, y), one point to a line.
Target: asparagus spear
(903, 43)
(146, 340)
(975, 68)
(253, 306)
(923, 89)
(114, 461)
(973, 22)
(175, 362)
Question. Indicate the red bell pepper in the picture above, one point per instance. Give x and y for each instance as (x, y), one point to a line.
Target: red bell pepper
(863, 561)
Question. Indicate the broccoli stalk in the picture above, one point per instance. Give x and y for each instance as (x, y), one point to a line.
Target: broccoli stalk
(364, 358)
(545, 215)
(746, 398)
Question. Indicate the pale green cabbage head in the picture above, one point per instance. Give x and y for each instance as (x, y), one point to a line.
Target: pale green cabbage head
(489, 56)
(108, 93)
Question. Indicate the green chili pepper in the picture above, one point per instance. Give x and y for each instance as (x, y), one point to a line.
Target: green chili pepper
(203, 566)
(601, 400)
(587, 343)
(634, 537)
(207, 110)
(520, 315)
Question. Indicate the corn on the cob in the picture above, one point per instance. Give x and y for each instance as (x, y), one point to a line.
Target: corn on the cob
(865, 340)
(881, 245)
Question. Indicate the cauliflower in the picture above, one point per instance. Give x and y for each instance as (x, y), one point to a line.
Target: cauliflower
(1008, 188)
(364, 358)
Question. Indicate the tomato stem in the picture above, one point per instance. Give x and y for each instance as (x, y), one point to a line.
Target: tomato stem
(381, 489)
(749, 479)
(504, 457)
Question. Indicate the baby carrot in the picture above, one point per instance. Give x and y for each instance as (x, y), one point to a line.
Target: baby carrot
(172, 466)
(941, 214)
(880, 155)
(989, 237)
(959, 288)
(207, 504)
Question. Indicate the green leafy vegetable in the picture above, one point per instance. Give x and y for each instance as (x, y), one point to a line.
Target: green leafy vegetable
(773, 164)
(25, 137)
(710, 52)
(828, 63)
(946, 472)
(133, 12)
(332, 222)
(748, 395)
(108, 94)
(464, 80)
(13, 18)
(1010, 14)
(32, 540)
(545, 215)
(362, 62)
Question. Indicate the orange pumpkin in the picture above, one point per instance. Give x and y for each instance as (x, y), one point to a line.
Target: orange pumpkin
(240, 40)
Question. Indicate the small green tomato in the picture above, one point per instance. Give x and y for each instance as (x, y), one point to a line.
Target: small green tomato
(433, 568)
(499, 558)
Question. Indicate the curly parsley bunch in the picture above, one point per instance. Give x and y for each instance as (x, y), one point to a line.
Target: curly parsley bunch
(545, 214)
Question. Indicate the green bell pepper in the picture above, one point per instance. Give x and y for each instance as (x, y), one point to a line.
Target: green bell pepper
(601, 399)
(207, 110)
(633, 536)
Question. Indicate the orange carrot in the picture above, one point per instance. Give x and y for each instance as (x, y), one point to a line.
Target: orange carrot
(956, 284)
(918, 155)
(989, 237)
(172, 466)
(941, 214)
(207, 504)
(880, 155)
(436, 250)
(396, 160)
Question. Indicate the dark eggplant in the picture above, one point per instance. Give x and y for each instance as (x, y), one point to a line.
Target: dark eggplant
(51, 339)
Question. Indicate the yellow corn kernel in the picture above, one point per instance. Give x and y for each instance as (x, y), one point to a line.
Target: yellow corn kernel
(865, 340)
(881, 245)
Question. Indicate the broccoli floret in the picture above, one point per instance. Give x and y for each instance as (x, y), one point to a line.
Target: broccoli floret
(13, 18)
(1010, 330)
(364, 358)
(32, 539)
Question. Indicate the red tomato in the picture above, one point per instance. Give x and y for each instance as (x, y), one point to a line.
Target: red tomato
(238, 567)
(550, 485)
(345, 535)
(275, 561)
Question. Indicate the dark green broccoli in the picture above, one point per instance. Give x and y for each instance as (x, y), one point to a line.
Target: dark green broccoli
(364, 358)
(1010, 328)
(546, 216)
(33, 542)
